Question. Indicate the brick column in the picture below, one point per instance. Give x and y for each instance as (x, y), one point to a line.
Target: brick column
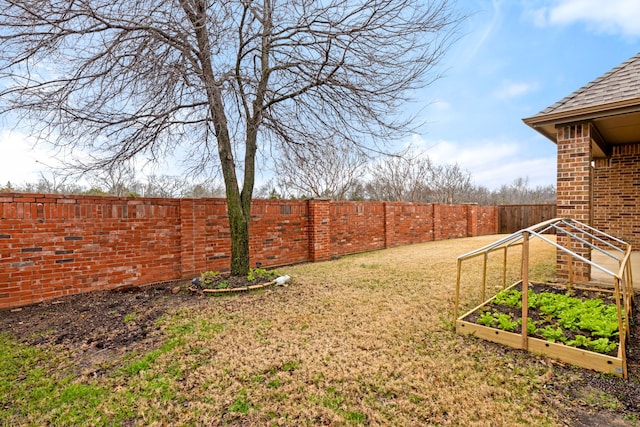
(472, 220)
(437, 225)
(319, 237)
(389, 224)
(193, 238)
(574, 192)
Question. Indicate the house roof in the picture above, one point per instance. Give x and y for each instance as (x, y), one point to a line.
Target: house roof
(621, 83)
(611, 102)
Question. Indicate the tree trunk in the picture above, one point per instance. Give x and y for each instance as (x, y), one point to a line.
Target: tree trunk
(238, 204)
(239, 226)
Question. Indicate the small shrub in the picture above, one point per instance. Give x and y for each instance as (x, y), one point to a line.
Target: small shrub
(261, 273)
(207, 278)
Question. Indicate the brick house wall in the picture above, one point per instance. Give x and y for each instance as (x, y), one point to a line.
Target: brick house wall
(54, 245)
(574, 193)
(616, 187)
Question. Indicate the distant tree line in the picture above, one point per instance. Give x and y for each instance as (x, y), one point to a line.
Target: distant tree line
(121, 182)
(318, 173)
(407, 176)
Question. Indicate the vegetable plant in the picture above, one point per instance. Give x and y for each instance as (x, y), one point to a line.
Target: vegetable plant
(593, 322)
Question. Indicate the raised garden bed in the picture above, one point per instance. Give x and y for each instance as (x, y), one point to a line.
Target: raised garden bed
(572, 322)
(577, 326)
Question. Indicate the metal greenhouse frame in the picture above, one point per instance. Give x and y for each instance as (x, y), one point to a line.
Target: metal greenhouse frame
(621, 289)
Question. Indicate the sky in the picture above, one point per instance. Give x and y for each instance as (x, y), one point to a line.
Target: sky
(513, 58)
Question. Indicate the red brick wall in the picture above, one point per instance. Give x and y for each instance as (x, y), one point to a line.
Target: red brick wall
(356, 227)
(279, 232)
(616, 189)
(487, 220)
(52, 245)
(410, 223)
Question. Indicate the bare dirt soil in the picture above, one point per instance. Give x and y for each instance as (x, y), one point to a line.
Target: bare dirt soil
(99, 325)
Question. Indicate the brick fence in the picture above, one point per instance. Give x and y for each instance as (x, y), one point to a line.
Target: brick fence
(55, 245)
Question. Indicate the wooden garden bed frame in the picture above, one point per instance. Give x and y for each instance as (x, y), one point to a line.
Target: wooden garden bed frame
(622, 292)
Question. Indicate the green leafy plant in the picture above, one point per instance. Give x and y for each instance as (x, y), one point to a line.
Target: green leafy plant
(601, 321)
(498, 320)
(579, 341)
(560, 312)
(241, 404)
(505, 322)
(510, 298)
(487, 319)
(207, 278)
(223, 285)
(260, 273)
(532, 326)
(552, 334)
(602, 345)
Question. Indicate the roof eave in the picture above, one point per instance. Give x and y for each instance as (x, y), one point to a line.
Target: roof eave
(544, 123)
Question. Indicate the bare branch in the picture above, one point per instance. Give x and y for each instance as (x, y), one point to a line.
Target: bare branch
(116, 80)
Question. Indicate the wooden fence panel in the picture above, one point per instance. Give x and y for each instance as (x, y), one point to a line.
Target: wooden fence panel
(512, 218)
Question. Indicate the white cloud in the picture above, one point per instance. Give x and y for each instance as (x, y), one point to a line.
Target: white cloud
(540, 171)
(612, 17)
(491, 163)
(21, 161)
(514, 89)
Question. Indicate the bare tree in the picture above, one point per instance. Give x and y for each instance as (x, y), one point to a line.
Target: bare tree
(165, 186)
(449, 183)
(322, 170)
(208, 188)
(123, 79)
(402, 177)
(52, 183)
(118, 180)
(520, 192)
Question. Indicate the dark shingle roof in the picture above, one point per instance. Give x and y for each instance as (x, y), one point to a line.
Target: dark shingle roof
(619, 84)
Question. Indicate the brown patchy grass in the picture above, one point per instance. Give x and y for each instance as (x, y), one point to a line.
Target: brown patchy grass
(363, 340)
(360, 340)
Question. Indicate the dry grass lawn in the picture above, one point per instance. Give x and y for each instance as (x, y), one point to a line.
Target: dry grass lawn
(362, 340)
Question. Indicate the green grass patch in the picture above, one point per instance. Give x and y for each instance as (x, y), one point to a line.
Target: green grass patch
(36, 389)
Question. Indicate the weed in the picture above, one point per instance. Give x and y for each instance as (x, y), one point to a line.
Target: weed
(332, 400)
(223, 285)
(208, 278)
(142, 364)
(601, 399)
(355, 417)
(241, 403)
(261, 273)
(274, 383)
(291, 366)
